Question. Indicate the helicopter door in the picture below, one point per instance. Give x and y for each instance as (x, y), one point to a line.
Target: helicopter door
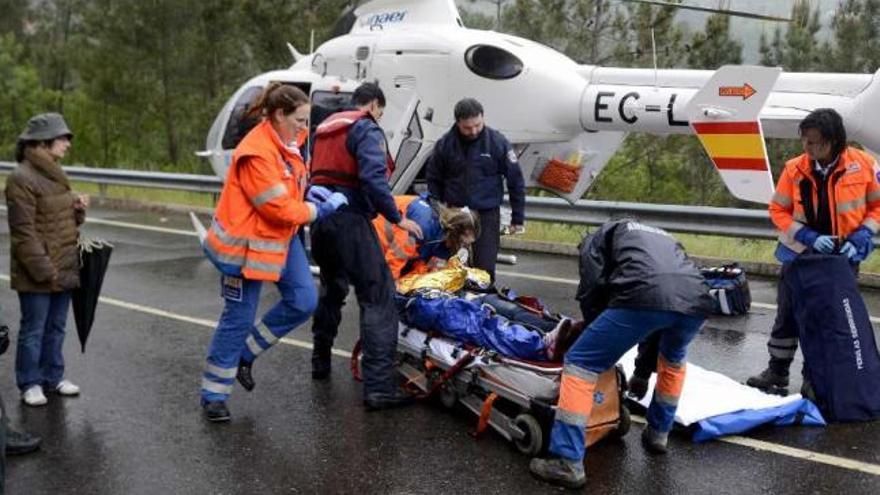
(402, 128)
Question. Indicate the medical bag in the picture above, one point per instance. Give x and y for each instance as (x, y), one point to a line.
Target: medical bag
(729, 288)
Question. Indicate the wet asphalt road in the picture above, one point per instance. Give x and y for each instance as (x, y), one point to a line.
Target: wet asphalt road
(137, 427)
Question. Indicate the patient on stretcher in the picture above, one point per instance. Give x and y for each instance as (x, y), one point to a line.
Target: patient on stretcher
(493, 322)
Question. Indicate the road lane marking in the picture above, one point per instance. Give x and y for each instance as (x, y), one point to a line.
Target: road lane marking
(189, 319)
(806, 455)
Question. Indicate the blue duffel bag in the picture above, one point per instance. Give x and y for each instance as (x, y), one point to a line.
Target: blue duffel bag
(841, 360)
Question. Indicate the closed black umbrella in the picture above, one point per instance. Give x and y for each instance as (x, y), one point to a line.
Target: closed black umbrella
(94, 256)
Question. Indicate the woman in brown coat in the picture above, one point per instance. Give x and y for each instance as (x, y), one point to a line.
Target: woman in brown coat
(44, 216)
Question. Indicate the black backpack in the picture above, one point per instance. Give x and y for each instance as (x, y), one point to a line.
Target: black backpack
(729, 289)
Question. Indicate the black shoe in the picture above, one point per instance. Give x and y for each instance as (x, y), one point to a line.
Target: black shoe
(637, 386)
(20, 442)
(321, 363)
(376, 402)
(654, 441)
(216, 412)
(769, 381)
(558, 471)
(244, 376)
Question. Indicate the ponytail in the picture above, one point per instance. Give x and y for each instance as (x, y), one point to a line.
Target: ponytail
(276, 96)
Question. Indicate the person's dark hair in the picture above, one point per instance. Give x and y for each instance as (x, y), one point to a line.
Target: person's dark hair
(366, 93)
(467, 108)
(277, 96)
(829, 124)
(21, 145)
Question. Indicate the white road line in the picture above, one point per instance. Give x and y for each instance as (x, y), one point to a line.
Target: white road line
(842, 462)
(189, 319)
(807, 455)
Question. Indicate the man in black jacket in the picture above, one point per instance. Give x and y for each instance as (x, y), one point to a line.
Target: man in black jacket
(468, 168)
(635, 281)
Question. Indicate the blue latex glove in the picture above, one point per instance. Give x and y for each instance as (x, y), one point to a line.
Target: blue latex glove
(863, 242)
(848, 250)
(331, 204)
(318, 194)
(824, 244)
(336, 200)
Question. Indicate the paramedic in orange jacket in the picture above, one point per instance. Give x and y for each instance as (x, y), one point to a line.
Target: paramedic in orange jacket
(445, 231)
(827, 199)
(253, 240)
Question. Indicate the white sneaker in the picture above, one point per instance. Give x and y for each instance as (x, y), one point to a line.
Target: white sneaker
(67, 387)
(34, 396)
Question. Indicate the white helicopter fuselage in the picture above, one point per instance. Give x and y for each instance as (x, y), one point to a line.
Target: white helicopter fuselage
(554, 110)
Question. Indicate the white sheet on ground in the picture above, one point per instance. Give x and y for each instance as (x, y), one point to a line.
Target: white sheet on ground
(707, 393)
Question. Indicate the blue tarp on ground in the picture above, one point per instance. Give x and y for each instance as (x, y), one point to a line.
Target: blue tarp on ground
(800, 412)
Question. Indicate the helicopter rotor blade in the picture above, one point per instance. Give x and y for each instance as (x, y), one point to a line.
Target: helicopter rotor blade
(735, 13)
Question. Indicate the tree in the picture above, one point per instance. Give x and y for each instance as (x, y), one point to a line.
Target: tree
(21, 94)
(580, 29)
(856, 27)
(797, 51)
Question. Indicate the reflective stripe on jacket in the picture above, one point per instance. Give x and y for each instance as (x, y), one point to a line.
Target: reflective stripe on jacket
(853, 196)
(332, 162)
(261, 206)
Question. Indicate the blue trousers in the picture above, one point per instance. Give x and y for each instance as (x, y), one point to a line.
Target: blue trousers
(238, 338)
(39, 359)
(608, 338)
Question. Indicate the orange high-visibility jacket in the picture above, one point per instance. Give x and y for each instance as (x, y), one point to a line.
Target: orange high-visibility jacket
(261, 206)
(853, 195)
(396, 243)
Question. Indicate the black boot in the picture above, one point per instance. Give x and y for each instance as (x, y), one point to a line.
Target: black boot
(20, 442)
(559, 471)
(321, 362)
(216, 412)
(654, 441)
(244, 376)
(769, 381)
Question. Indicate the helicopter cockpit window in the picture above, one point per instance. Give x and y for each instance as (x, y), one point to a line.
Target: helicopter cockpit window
(325, 104)
(492, 62)
(239, 124)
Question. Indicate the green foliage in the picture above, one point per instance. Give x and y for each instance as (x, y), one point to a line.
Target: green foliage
(21, 94)
(577, 28)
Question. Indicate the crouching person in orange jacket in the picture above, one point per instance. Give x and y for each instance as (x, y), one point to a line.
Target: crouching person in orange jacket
(253, 240)
(445, 232)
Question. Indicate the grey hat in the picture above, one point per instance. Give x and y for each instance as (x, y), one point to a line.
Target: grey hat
(44, 127)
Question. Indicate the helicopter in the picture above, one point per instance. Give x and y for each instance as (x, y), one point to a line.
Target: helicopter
(564, 120)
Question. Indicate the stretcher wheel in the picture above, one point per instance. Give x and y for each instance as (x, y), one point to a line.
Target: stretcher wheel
(623, 425)
(448, 396)
(533, 440)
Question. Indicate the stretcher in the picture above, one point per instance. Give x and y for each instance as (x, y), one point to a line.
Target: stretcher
(515, 398)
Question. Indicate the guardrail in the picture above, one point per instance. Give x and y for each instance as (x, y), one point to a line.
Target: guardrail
(731, 222)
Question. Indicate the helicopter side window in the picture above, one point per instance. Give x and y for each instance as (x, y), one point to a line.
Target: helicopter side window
(412, 143)
(239, 123)
(492, 62)
(325, 104)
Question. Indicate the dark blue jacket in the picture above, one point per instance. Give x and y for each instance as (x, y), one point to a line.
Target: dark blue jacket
(366, 142)
(626, 264)
(472, 173)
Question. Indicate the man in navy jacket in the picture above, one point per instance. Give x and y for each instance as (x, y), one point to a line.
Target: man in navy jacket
(468, 168)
